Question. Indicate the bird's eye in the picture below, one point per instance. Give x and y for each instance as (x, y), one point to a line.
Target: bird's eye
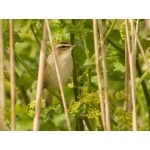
(63, 46)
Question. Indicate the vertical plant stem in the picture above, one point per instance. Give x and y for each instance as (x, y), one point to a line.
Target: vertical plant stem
(133, 42)
(146, 93)
(127, 36)
(89, 68)
(32, 29)
(58, 76)
(80, 125)
(40, 79)
(137, 30)
(2, 97)
(132, 71)
(103, 51)
(145, 89)
(12, 75)
(75, 82)
(142, 51)
(128, 104)
(95, 29)
(88, 124)
(148, 24)
(132, 74)
(110, 29)
(89, 79)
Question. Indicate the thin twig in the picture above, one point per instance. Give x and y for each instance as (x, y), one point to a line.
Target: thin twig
(40, 79)
(103, 51)
(99, 74)
(89, 68)
(88, 124)
(79, 122)
(36, 38)
(110, 29)
(75, 81)
(118, 47)
(2, 97)
(106, 38)
(145, 89)
(137, 30)
(142, 78)
(132, 57)
(127, 36)
(58, 76)
(142, 51)
(12, 74)
(127, 105)
(148, 25)
(132, 70)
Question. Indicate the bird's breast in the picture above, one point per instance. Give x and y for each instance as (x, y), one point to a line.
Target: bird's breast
(65, 67)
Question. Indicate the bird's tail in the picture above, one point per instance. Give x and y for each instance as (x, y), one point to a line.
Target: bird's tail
(48, 98)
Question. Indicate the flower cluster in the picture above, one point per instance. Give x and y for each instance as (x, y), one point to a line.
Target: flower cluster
(124, 118)
(88, 105)
(31, 107)
(123, 29)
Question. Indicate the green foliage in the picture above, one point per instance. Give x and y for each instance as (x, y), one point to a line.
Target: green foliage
(89, 106)
(51, 118)
(31, 107)
(124, 120)
(27, 40)
(123, 29)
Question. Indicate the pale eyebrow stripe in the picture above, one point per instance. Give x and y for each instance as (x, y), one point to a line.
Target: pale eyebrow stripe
(60, 45)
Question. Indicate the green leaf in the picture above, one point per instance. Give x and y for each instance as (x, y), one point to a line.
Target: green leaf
(60, 122)
(145, 43)
(25, 80)
(48, 125)
(26, 26)
(115, 35)
(17, 37)
(119, 67)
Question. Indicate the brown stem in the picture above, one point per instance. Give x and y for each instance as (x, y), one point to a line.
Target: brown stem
(40, 79)
(103, 52)
(99, 74)
(12, 74)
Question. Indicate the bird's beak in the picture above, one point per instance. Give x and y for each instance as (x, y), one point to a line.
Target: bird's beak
(74, 46)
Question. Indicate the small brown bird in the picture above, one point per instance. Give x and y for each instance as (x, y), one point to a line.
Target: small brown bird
(65, 66)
